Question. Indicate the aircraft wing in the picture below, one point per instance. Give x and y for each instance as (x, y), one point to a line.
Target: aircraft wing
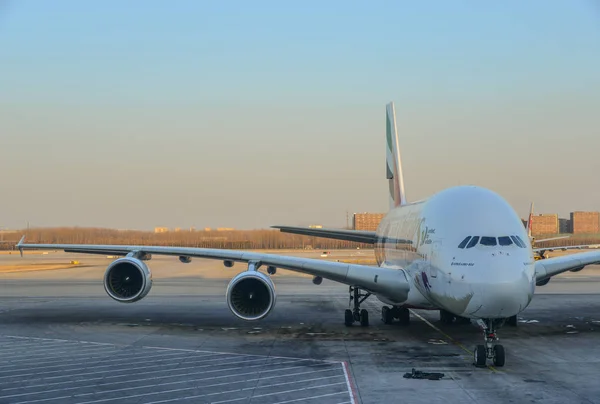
(369, 237)
(549, 267)
(551, 238)
(392, 283)
(566, 247)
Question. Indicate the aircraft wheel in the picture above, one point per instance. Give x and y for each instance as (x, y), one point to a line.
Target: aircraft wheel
(348, 318)
(463, 320)
(387, 315)
(364, 318)
(499, 355)
(446, 317)
(404, 316)
(479, 355)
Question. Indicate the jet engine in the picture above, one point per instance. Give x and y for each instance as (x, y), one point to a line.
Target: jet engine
(251, 295)
(577, 269)
(542, 282)
(127, 280)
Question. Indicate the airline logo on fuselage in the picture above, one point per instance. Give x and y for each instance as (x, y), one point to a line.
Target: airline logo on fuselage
(424, 236)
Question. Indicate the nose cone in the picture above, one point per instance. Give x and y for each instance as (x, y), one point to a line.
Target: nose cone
(504, 293)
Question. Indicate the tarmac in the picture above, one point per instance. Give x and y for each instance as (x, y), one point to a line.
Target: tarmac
(63, 340)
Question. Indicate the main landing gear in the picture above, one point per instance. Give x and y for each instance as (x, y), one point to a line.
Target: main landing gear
(448, 318)
(511, 321)
(388, 314)
(350, 316)
(490, 350)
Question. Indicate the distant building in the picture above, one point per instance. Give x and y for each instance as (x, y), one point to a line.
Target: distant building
(315, 226)
(177, 229)
(585, 222)
(161, 229)
(225, 229)
(564, 226)
(366, 221)
(544, 224)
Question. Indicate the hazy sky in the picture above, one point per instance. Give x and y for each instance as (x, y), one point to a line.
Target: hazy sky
(246, 114)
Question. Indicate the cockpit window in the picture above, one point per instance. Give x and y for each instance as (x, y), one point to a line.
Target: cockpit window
(464, 242)
(522, 242)
(518, 241)
(503, 241)
(473, 242)
(490, 241)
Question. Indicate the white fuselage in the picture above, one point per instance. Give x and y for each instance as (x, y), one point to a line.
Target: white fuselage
(491, 276)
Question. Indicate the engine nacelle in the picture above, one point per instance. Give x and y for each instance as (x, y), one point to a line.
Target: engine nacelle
(127, 280)
(542, 282)
(251, 295)
(577, 269)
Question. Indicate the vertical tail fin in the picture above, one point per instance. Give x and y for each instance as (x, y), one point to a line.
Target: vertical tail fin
(393, 162)
(529, 221)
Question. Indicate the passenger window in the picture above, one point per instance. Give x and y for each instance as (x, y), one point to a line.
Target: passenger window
(522, 242)
(464, 242)
(505, 240)
(489, 241)
(473, 242)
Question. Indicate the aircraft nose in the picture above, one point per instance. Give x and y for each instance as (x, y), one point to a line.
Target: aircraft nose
(501, 296)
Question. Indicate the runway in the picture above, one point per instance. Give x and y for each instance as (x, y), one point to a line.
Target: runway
(59, 329)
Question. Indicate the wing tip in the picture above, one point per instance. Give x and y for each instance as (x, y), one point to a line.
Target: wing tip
(20, 245)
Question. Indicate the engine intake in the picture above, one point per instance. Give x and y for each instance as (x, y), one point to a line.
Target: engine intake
(251, 295)
(127, 280)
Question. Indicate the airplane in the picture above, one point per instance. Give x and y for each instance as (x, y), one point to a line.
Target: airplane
(540, 252)
(463, 251)
(532, 239)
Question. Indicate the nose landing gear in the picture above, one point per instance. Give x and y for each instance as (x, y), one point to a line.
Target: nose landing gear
(490, 350)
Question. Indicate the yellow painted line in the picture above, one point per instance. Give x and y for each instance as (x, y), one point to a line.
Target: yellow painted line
(455, 342)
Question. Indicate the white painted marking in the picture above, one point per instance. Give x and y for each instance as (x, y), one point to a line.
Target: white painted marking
(155, 371)
(96, 358)
(312, 398)
(51, 357)
(41, 339)
(257, 396)
(167, 349)
(348, 384)
(237, 354)
(170, 383)
(170, 375)
(217, 359)
(225, 383)
(111, 370)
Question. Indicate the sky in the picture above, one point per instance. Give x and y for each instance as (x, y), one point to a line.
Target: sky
(136, 114)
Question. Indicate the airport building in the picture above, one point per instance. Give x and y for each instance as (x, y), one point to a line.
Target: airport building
(366, 221)
(585, 222)
(564, 226)
(544, 224)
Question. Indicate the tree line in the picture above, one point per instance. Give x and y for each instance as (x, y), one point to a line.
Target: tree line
(230, 239)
